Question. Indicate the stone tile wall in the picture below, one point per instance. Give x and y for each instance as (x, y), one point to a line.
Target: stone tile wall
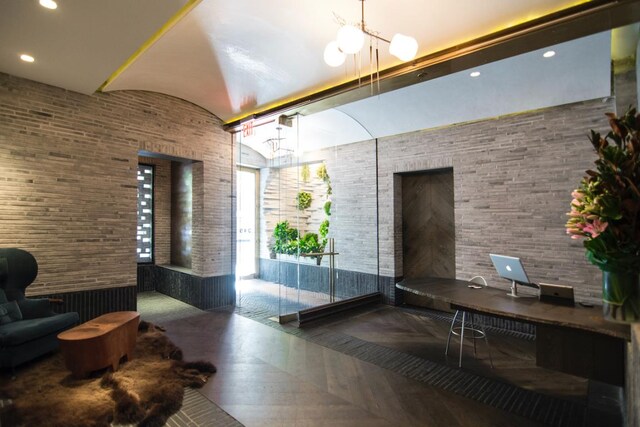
(513, 177)
(68, 180)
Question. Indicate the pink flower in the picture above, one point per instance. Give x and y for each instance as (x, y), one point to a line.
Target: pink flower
(595, 228)
(577, 195)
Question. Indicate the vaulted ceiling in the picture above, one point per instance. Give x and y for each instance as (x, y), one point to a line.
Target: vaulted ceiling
(233, 58)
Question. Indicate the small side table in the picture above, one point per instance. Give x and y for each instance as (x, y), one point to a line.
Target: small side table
(100, 343)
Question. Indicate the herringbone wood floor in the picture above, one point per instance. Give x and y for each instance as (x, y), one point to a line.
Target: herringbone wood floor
(412, 333)
(267, 377)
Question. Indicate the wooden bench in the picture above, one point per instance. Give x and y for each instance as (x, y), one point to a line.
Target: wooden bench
(100, 343)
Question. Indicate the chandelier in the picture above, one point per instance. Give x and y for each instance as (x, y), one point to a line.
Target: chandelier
(350, 40)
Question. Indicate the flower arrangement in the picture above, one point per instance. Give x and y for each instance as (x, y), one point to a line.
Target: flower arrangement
(605, 211)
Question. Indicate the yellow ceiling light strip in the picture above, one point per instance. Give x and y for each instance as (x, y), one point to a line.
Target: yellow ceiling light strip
(284, 101)
(188, 6)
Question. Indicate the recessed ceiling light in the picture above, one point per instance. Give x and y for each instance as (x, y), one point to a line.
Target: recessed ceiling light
(475, 74)
(549, 53)
(49, 4)
(27, 58)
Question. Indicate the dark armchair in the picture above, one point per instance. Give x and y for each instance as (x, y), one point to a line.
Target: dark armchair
(28, 327)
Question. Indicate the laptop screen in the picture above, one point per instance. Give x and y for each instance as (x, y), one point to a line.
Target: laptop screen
(511, 268)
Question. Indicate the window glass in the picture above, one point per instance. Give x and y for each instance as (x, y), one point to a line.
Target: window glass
(144, 251)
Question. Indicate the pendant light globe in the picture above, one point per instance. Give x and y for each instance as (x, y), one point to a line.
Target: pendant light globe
(403, 47)
(350, 39)
(333, 56)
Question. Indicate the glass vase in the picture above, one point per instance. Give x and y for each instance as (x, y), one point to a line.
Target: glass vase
(621, 296)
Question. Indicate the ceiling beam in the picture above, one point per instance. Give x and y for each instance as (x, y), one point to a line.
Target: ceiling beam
(569, 24)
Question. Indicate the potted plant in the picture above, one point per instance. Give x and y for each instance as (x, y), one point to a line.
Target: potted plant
(605, 212)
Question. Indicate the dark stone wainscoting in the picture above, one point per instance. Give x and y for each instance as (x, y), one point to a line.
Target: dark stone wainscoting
(93, 303)
(145, 277)
(200, 292)
(390, 294)
(316, 279)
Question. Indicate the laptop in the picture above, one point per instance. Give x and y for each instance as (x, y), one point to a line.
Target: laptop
(511, 268)
(556, 294)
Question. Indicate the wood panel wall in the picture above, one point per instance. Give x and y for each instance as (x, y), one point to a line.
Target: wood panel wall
(428, 226)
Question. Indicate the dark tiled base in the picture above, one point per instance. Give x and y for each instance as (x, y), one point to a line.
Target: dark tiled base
(145, 277)
(316, 278)
(200, 292)
(390, 294)
(91, 304)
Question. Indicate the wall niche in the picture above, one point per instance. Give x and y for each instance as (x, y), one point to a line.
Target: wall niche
(428, 224)
(173, 209)
(181, 213)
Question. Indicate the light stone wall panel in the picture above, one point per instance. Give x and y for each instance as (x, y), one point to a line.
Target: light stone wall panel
(513, 178)
(68, 180)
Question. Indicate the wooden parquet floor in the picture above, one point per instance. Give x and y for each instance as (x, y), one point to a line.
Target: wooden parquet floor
(414, 333)
(267, 377)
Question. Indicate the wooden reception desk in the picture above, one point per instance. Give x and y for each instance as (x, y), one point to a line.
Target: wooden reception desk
(576, 340)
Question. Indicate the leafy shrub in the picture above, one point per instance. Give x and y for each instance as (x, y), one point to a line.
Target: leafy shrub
(309, 243)
(284, 238)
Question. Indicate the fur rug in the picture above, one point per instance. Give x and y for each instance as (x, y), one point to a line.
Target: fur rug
(145, 391)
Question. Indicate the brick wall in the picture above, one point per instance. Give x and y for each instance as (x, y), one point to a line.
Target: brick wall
(352, 169)
(513, 176)
(68, 180)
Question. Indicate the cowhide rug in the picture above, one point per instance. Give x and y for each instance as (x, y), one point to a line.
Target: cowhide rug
(145, 391)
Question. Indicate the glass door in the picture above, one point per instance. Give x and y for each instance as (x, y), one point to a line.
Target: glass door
(246, 221)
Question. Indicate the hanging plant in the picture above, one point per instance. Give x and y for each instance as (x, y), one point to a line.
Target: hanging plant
(321, 172)
(303, 200)
(305, 173)
(327, 207)
(324, 231)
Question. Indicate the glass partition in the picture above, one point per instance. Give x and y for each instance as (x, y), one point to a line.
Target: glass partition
(316, 227)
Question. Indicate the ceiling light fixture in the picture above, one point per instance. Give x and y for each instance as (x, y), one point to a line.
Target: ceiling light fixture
(49, 4)
(549, 54)
(351, 38)
(475, 74)
(27, 58)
